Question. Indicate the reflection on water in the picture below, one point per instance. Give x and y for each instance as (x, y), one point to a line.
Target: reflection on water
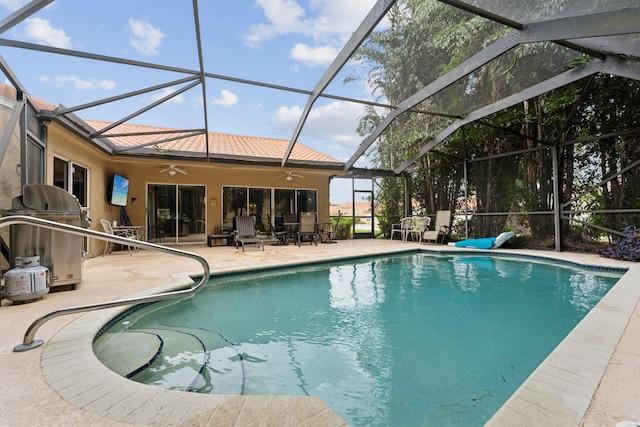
(585, 290)
(355, 286)
(402, 340)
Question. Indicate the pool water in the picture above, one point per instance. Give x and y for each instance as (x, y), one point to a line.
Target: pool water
(406, 340)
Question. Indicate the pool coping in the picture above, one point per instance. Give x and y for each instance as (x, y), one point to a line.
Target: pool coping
(558, 392)
(561, 389)
(71, 368)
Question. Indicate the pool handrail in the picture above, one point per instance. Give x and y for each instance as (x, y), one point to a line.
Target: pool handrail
(29, 342)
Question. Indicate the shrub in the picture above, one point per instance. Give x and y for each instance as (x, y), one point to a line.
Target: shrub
(625, 249)
(343, 229)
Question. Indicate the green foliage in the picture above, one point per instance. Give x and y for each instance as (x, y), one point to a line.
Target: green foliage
(425, 41)
(343, 229)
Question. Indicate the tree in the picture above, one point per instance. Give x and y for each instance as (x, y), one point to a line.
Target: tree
(427, 39)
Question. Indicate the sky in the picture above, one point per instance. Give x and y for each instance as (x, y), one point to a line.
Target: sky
(281, 42)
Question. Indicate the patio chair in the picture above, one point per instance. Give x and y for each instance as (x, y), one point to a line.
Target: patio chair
(244, 232)
(442, 229)
(307, 228)
(327, 232)
(278, 232)
(108, 228)
(419, 225)
(402, 227)
(290, 222)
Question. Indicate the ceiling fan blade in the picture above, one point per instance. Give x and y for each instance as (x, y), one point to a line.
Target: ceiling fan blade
(182, 171)
(164, 170)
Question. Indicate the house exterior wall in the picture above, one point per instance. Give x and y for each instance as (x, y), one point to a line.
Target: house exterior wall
(10, 182)
(143, 171)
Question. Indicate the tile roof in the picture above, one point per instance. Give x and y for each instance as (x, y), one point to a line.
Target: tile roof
(9, 92)
(222, 144)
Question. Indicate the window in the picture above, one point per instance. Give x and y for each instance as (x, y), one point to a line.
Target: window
(285, 202)
(260, 206)
(234, 203)
(307, 200)
(60, 173)
(65, 172)
(79, 181)
(268, 204)
(176, 213)
(33, 168)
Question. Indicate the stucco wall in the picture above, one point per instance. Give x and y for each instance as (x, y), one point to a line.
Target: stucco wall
(9, 178)
(143, 171)
(10, 182)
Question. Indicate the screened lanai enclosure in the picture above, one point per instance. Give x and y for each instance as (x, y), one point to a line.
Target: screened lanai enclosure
(511, 114)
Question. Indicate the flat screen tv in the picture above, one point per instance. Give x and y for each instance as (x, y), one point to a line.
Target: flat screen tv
(119, 190)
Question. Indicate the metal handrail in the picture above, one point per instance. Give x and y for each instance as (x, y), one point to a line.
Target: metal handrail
(29, 342)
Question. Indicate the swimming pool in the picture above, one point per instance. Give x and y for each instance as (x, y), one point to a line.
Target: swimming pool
(397, 340)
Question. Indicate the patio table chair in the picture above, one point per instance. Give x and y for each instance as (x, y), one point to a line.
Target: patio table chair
(130, 234)
(402, 227)
(327, 231)
(419, 225)
(307, 228)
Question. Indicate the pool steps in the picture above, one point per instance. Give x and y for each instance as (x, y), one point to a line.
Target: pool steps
(142, 350)
(172, 358)
(165, 351)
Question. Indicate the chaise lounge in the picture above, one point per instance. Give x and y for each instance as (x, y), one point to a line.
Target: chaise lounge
(244, 232)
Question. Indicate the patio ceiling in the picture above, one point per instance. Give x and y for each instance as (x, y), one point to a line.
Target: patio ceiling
(606, 31)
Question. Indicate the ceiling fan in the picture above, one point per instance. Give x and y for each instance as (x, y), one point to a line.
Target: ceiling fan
(290, 175)
(172, 169)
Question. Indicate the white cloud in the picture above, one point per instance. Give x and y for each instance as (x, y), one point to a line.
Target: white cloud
(166, 92)
(226, 99)
(78, 83)
(283, 16)
(329, 23)
(325, 18)
(13, 5)
(312, 56)
(41, 31)
(336, 122)
(145, 38)
(340, 16)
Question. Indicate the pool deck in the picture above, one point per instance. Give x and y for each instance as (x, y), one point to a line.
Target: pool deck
(591, 379)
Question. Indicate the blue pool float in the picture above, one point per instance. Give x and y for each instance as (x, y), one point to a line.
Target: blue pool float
(485, 242)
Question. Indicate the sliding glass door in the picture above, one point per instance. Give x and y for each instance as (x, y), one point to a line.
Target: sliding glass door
(268, 205)
(176, 213)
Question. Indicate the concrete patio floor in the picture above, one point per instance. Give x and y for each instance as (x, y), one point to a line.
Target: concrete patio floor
(591, 379)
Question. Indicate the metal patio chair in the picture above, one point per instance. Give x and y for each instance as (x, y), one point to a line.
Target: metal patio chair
(244, 232)
(419, 225)
(402, 227)
(307, 228)
(108, 228)
(327, 231)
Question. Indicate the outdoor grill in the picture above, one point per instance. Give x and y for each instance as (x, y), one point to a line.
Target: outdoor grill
(60, 252)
